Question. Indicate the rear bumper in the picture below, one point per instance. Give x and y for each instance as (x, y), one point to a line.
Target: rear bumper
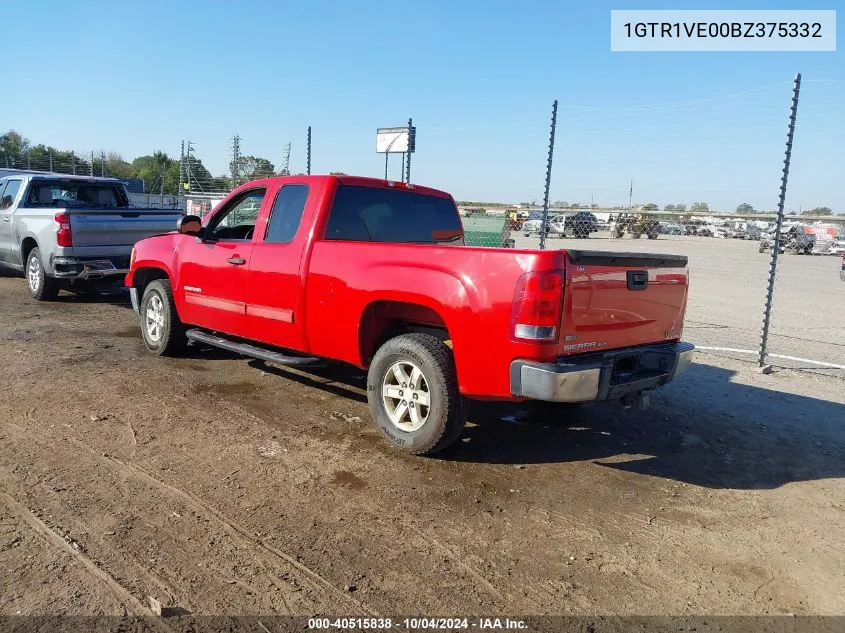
(603, 376)
(89, 268)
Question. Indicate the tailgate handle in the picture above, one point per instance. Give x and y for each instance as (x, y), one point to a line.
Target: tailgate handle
(637, 279)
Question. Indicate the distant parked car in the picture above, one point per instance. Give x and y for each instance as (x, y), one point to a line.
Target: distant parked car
(581, 224)
(534, 225)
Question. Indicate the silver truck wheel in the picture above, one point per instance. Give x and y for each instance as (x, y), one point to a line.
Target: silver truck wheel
(154, 319)
(161, 327)
(412, 390)
(41, 287)
(406, 396)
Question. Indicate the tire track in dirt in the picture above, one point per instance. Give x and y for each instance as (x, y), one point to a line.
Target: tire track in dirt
(132, 605)
(283, 568)
(241, 533)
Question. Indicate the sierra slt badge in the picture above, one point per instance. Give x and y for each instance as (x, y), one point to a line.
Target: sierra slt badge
(584, 345)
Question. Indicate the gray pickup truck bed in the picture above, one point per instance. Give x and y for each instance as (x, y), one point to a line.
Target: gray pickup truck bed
(81, 228)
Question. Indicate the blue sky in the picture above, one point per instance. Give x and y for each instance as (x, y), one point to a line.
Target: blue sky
(477, 77)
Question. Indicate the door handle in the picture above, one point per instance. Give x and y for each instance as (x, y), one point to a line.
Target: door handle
(237, 261)
(6, 218)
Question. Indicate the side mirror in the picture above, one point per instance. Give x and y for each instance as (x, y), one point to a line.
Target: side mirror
(189, 225)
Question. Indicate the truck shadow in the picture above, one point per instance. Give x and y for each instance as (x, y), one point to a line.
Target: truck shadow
(703, 430)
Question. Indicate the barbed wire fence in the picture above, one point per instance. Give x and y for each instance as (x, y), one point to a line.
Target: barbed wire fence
(720, 147)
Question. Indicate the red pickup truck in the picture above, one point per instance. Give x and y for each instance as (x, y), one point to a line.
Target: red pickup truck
(304, 269)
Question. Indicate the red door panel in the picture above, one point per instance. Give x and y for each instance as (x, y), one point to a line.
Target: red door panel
(213, 284)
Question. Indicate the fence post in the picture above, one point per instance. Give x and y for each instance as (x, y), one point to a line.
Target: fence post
(770, 290)
(408, 162)
(92, 162)
(308, 153)
(73, 163)
(548, 178)
(50, 154)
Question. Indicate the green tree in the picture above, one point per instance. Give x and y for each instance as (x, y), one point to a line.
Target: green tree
(650, 207)
(820, 211)
(116, 167)
(253, 168)
(13, 147)
(152, 169)
(700, 207)
(745, 208)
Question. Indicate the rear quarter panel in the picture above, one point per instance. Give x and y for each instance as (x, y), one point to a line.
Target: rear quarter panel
(471, 289)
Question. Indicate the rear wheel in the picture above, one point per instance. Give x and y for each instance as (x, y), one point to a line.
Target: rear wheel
(412, 389)
(161, 327)
(41, 286)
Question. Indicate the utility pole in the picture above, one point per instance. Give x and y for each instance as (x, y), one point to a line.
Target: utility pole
(548, 178)
(630, 193)
(790, 133)
(308, 153)
(189, 148)
(103, 164)
(73, 163)
(285, 171)
(236, 158)
(181, 170)
(92, 162)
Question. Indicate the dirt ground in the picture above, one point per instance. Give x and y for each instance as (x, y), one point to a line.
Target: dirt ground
(224, 486)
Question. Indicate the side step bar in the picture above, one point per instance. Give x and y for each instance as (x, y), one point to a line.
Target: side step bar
(251, 350)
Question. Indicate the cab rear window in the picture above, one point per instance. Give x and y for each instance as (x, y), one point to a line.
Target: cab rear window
(399, 216)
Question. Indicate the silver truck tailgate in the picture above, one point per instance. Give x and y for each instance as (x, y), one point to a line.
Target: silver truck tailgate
(95, 227)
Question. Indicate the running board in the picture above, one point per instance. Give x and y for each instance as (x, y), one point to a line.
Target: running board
(251, 350)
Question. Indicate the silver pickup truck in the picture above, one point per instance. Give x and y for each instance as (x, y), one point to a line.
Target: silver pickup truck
(72, 232)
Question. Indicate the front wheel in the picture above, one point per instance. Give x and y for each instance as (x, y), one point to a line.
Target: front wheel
(41, 286)
(161, 327)
(412, 389)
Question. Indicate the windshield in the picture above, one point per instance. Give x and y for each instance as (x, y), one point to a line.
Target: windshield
(73, 194)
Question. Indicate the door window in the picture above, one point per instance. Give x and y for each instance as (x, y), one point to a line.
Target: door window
(9, 193)
(236, 221)
(286, 214)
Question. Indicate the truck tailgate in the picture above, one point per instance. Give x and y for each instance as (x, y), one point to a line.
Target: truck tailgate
(119, 227)
(614, 300)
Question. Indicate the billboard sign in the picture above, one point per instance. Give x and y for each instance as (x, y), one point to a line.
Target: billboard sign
(395, 140)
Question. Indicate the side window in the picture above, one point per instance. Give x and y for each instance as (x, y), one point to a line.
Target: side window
(286, 214)
(236, 220)
(9, 193)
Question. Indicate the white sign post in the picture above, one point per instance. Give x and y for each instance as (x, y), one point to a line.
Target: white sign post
(394, 140)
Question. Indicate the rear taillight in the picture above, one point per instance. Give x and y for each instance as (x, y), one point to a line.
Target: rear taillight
(537, 305)
(63, 234)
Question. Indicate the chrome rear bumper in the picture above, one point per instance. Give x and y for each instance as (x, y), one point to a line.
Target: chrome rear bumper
(76, 268)
(603, 376)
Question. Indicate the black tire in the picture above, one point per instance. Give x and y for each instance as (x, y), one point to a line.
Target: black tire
(158, 298)
(41, 286)
(447, 411)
